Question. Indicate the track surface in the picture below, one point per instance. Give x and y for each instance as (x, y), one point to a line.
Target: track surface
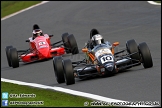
(116, 21)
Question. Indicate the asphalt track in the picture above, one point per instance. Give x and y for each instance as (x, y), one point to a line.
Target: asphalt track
(116, 21)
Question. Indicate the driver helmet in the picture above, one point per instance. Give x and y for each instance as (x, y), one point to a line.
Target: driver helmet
(97, 39)
(37, 32)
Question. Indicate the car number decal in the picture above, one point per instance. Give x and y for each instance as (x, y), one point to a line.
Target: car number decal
(106, 58)
(42, 43)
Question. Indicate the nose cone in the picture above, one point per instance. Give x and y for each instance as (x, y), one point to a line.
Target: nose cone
(44, 52)
(109, 66)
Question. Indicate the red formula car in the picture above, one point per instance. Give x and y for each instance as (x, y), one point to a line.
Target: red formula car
(41, 48)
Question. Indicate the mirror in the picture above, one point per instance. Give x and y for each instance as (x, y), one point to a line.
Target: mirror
(115, 43)
(50, 35)
(27, 40)
(84, 50)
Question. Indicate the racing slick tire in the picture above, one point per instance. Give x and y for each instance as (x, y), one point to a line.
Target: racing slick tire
(58, 69)
(8, 55)
(132, 47)
(73, 44)
(65, 42)
(145, 55)
(68, 72)
(14, 57)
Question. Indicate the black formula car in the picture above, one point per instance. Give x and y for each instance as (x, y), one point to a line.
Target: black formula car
(102, 60)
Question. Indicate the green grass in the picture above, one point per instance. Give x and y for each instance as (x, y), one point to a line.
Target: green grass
(158, 1)
(9, 7)
(50, 98)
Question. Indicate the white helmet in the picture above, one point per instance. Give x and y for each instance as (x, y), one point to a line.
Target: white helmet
(37, 32)
(97, 39)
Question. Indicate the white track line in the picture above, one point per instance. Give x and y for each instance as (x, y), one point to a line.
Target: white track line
(73, 92)
(154, 3)
(23, 10)
(78, 93)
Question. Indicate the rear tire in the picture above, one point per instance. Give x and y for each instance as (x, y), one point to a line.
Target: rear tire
(65, 42)
(73, 44)
(132, 47)
(8, 55)
(14, 57)
(68, 72)
(145, 55)
(58, 69)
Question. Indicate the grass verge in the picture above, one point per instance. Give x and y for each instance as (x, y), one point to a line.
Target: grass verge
(9, 7)
(47, 98)
(158, 1)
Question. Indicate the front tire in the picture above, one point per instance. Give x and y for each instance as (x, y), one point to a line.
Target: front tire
(132, 47)
(65, 42)
(14, 57)
(58, 69)
(8, 55)
(73, 44)
(145, 55)
(68, 72)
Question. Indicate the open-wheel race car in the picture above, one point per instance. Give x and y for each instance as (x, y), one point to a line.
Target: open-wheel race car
(102, 59)
(40, 48)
